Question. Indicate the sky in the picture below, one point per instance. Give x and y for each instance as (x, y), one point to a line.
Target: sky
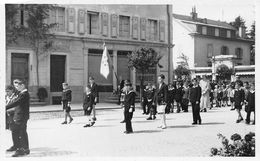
(223, 10)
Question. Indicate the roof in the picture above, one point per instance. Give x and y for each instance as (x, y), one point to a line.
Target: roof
(204, 21)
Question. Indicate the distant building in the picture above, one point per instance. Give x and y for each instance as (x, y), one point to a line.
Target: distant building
(201, 39)
(82, 29)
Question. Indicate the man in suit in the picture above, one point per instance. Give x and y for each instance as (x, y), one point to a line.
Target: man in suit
(178, 95)
(21, 116)
(94, 91)
(195, 95)
(129, 107)
(250, 100)
(161, 100)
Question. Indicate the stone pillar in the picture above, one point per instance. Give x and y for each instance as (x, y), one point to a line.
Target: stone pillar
(133, 73)
(85, 66)
(114, 71)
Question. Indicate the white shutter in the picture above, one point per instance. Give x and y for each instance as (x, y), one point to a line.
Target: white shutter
(135, 27)
(143, 29)
(81, 23)
(162, 30)
(104, 24)
(71, 20)
(113, 25)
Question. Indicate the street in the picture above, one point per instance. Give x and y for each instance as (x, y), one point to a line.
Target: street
(48, 137)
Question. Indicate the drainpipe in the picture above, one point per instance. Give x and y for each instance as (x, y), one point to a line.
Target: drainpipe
(170, 45)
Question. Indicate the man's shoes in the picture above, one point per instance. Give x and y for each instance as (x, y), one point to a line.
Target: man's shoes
(205, 110)
(247, 122)
(239, 120)
(149, 118)
(87, 125)
(164, 127)
(122, 121)
(154, 118)
(19, 152)
(194, 123)
(27, 151)
(199, 122)
(11, 149)
(128, 132)
(70, 120)
(65, 122)
(232, 109)
(94, 118)
(253, 123)
(92, 123)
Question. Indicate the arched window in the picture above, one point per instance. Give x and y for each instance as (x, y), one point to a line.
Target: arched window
(239, 53)
(224, 50)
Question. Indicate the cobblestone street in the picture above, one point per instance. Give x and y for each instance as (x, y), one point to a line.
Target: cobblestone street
(106, 138)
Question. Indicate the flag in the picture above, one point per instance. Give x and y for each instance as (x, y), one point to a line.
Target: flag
(104, 66)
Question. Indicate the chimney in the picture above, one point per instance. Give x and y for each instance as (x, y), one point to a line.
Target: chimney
(193, 13)
(242, 32)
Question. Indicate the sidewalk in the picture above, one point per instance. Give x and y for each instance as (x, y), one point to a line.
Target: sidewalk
(74, 107)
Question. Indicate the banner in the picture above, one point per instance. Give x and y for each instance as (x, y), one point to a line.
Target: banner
(104, 66)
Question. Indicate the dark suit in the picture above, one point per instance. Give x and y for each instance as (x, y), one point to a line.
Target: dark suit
(94, 91)
(88, 102)
(66, 99)
(161, 96)
(178, 98)
(129, 103)
(250, 104)
(170, 103)
(21, 116)
(195, 94)
(239, 97)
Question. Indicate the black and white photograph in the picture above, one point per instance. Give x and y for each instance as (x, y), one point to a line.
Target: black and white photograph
(137, 80)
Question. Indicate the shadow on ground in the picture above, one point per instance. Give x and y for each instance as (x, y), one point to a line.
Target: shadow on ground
(180, 126)
(147, 131)
(48, 152)
(213, 123)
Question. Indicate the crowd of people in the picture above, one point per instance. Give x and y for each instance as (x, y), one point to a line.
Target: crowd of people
(157, 100)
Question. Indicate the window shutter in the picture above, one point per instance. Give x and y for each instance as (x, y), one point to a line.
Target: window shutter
(87, 22)
(81, 23)
(113, 25)
(135, 27)
(71, 20)
(162, 30)
(104, 24)
(18, 18)
(25, 18)
(143, 28)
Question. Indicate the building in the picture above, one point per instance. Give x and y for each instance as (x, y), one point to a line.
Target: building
(201, 39)
(81, 31)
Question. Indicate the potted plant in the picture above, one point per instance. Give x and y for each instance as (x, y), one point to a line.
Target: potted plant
(42, 94)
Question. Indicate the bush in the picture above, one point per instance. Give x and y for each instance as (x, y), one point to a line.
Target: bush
(239, 147)
(42, 93)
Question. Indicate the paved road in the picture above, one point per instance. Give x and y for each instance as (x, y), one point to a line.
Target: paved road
(106, 138)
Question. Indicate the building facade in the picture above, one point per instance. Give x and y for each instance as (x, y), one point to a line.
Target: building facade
(203, 39)
(79, 37)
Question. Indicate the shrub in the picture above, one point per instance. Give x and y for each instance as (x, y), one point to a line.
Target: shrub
(239, 147)
(42, 93)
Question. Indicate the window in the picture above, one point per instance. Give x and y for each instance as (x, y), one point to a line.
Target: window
(239, 53)
(211, 31)
(209, 64)
(204, 30)
(61, 19)
(199, 29)
(228, 33)
(224, 50)
(152, 30)
(124, 26)
(93, 19)
(57, 16)
(216, 32)
(210, 50)
(223, 33)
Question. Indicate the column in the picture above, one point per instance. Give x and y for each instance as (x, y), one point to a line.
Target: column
(133, 73)
(114, 71)
(85, 66)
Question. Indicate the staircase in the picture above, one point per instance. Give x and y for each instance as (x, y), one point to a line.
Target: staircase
(34, 101)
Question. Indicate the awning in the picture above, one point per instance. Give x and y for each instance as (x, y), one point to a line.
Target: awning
(246, 73)
(201, 74)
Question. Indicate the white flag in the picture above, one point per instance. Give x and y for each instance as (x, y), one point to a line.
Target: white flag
(104, 66)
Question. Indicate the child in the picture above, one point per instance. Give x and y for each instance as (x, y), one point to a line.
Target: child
(239, 97)
(88, 103)
(178, 96)
(225, 96)
(150, 99)
(170, 103)
(129, 107)
(250, 100)
(9, 97)
(231, 92)
(185, 100)
(215, 93)
(219, 96)
(65, 101)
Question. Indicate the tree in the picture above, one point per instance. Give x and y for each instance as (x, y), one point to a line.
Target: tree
(11, 28)
(36, 31)
(184, 59)
(251, 33)
(224, 72)
(181, 71)
(142, 60)
(239, 21)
